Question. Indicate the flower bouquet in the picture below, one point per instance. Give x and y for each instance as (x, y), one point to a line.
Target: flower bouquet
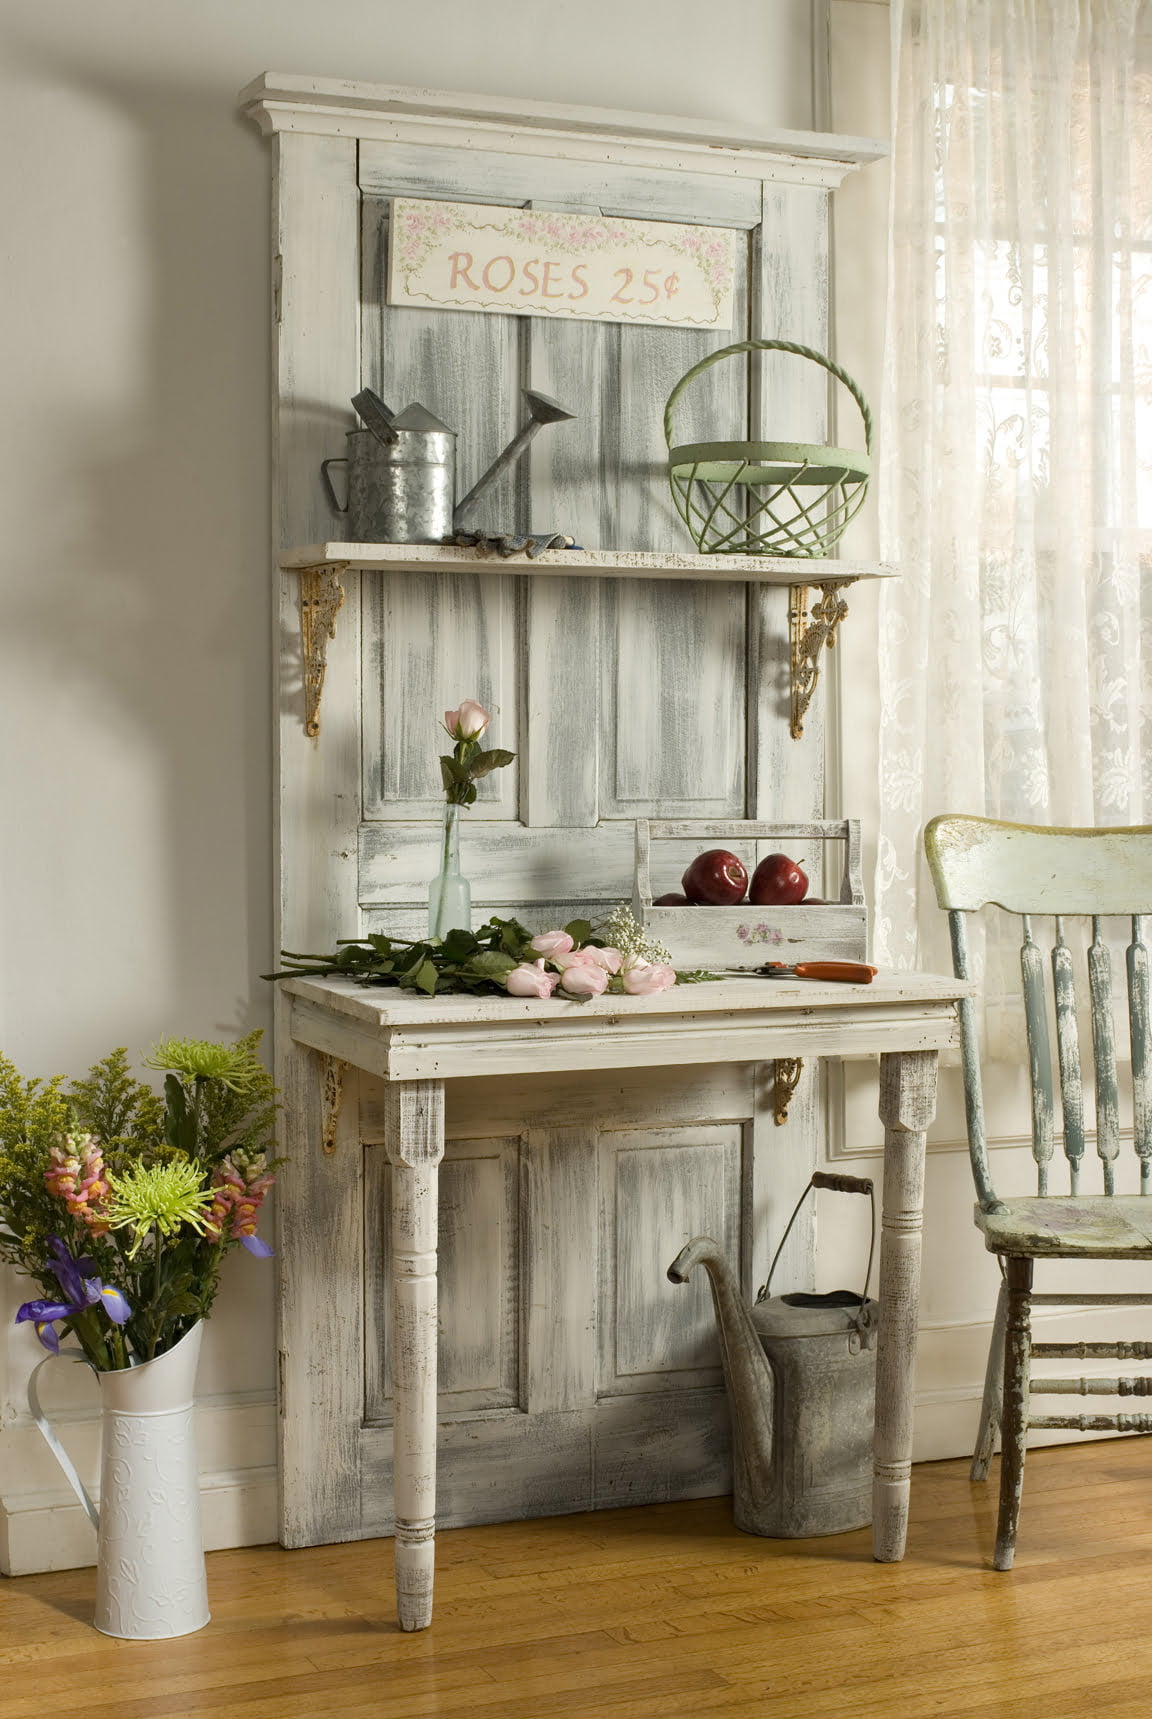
(122, 1204)
(504, 957)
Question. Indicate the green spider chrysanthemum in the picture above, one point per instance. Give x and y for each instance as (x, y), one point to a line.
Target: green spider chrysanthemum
(233, 1066)
(165, 1197)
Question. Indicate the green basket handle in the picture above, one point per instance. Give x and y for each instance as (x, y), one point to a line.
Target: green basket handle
(770, 346)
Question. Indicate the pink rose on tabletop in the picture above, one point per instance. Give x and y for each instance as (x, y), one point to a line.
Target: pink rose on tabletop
(552, 943)
(572, 958)
(530, 979)
(468, 721)
(584, 979)
(610, 959)
(647, 978)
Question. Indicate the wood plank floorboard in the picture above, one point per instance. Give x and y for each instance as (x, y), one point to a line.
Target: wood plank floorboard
(665, 1611)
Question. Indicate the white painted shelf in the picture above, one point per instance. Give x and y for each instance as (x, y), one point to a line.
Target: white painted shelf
(320, 566)
(592, 563)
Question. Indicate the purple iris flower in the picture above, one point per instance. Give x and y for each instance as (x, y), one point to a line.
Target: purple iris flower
(82, 1288)
(257, 1246)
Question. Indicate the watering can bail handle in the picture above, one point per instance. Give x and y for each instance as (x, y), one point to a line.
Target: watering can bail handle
(50, 1439)
(769, 346)
(841, 1185)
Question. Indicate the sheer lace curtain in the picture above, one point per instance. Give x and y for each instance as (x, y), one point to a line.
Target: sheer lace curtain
(1016, 467)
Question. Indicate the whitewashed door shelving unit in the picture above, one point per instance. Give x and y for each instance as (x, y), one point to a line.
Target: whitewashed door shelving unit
(636, 684)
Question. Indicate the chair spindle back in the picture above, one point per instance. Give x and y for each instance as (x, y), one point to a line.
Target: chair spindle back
(1035, 871)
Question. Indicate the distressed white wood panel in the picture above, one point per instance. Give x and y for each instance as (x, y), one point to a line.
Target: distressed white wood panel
(508, 1467)
(562, 643)
(778, 1164)
(713, 407)
(315, 263)
(789, 402)
(562, 1271)
(508, 866)
(673, 698)
(478, 1353)
(481, 1108)
(659, 1188)
(428, 643)
(321, 1304)
(405, 170)
(468, 374)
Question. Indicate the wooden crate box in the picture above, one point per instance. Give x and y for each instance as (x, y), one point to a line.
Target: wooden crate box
(747, 936)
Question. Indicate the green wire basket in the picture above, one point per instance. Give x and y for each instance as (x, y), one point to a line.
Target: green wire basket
(767, 498)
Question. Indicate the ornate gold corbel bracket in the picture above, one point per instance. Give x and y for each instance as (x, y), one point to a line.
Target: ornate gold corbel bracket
(808, 635)
(321, 595)
(786, 1079)
(331, 1102)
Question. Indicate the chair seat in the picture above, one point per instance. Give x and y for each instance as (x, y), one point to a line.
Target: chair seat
(1070, 1227)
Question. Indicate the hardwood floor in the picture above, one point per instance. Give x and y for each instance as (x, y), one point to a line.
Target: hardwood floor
(661, 1611)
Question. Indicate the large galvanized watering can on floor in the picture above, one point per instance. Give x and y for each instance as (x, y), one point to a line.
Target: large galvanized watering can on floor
(801, 1376)
(402, 471)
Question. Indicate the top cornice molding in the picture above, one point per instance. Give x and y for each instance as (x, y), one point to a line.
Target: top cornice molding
(336, 107)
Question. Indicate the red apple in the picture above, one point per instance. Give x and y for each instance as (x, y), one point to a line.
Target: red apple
(715, 879)
(673, 900)
(777, 881)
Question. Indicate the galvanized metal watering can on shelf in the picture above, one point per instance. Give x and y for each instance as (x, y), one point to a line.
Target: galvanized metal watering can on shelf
(402, 471)
(801, 1376)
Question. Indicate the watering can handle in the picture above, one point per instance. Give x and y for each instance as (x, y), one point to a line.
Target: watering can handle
(769, 346)
(842, 1185)
(333, 498)
(49, 1435)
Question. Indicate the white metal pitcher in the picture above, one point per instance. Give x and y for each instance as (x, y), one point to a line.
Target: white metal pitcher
(150, 1577)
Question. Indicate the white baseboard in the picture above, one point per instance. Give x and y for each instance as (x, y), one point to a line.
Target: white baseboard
(50, 1531)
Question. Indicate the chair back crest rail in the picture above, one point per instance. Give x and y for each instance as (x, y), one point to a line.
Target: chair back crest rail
(1063, 874)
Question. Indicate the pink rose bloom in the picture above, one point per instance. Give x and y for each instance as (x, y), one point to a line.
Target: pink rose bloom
(530, 979)
(584, 979)
(468, 722)
(572, 958)
(645, 979)
(610, 959)
(552, 943)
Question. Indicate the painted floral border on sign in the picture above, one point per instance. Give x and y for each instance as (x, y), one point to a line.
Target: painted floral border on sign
(532, 262)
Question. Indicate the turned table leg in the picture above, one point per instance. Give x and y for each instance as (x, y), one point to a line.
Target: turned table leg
(907, 1106)
(414, 1141)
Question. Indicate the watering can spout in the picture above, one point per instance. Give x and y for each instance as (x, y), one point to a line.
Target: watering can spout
(541, 410)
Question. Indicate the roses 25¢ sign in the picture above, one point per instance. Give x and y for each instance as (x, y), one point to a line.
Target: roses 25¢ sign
(530, 262)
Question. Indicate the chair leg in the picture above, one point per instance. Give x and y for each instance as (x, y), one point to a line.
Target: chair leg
(1014, 1414)
(992, 1406)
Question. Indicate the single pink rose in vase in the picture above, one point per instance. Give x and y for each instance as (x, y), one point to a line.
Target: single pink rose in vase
(468, 721)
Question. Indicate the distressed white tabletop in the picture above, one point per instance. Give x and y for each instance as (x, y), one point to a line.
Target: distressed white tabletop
(400, 1035)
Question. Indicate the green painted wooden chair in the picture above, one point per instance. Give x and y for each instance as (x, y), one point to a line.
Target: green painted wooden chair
(1064, 873)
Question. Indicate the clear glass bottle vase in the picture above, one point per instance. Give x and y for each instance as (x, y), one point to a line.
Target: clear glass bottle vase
(449, 897)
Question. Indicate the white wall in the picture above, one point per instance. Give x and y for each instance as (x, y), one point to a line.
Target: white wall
(135, 847)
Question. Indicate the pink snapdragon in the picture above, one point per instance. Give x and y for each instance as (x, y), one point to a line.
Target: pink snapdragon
(239, 1184)
(76, 1175)
(584, 979)
(468, 721)
(646, 978)
(530, 979)
(552, 943)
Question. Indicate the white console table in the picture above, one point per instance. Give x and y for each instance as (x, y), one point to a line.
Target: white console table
(415, 1044)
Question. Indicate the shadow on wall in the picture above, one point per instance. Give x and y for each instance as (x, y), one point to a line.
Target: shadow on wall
(143, 613)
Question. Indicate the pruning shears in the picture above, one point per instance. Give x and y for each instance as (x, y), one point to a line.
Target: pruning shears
(848, 972)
